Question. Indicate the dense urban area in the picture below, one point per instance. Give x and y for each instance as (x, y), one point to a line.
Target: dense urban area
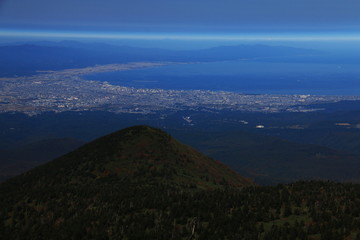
(66, 90)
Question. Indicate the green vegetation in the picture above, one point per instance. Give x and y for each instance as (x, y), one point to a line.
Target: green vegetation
(122, 210)
(140, 183)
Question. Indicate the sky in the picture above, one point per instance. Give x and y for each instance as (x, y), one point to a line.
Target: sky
(267, 19)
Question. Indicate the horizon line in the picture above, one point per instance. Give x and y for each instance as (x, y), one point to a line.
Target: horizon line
(294, 36)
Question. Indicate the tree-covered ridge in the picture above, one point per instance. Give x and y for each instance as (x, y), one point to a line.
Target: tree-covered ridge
(139, 183)
(112, 210)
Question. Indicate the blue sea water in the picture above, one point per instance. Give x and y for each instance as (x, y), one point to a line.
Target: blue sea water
(245, 77)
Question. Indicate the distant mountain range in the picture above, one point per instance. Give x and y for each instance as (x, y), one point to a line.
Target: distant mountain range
(29, 57)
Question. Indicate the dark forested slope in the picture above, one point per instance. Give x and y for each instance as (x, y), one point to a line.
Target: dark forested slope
(140, 183)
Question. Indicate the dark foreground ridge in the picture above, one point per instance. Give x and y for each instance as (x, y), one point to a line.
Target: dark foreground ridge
(140, 183)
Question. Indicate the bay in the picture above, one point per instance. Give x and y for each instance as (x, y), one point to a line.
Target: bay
(250, 77)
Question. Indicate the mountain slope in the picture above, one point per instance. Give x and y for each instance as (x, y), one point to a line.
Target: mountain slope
(138, 154)
(107, 190)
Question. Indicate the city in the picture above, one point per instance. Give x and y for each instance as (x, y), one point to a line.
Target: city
(66, 90)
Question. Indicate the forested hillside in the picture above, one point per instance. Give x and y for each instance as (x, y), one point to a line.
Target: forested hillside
(140, 183)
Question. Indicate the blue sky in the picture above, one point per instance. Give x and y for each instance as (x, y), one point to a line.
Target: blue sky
(304, 19)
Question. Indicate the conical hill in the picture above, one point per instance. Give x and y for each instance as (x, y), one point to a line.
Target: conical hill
(137, 155)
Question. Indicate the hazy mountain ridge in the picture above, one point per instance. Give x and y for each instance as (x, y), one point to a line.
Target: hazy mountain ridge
(26, 59)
